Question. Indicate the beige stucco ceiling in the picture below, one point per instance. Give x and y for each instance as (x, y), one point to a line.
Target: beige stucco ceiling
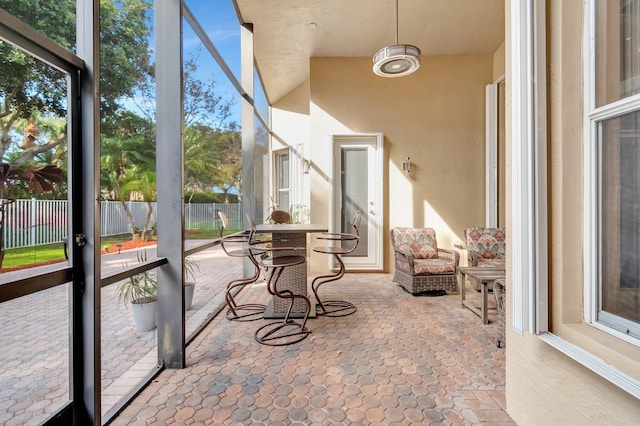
(285, 36)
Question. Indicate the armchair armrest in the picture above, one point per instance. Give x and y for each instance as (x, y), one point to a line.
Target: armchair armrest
(472, 257)
(451, 255)
(404, 261)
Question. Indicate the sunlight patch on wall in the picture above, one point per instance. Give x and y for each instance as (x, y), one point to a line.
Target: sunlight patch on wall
(400, 197)
(290, 128)
(445, 235)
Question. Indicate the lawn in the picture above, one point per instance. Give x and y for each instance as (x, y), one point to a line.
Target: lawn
(50, 253)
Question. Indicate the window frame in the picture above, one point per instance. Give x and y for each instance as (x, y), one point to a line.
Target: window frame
(527, 264)
(277, 172)
(595, 116)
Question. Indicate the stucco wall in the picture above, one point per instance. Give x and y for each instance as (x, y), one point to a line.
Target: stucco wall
(434, 116)
(290, 120)
(498, 62)
(544, 386)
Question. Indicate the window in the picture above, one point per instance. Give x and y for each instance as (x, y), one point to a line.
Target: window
(282, 181)
(613, 168)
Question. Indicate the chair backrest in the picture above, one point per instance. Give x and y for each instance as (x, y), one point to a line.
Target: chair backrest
(354, 239)
(487, 243)
(420, 242)
(355, 221)
(280, 216)
(252, 223)
(224, 222)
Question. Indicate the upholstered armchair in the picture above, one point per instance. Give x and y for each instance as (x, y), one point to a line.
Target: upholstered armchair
(485, 247)
(420, 266)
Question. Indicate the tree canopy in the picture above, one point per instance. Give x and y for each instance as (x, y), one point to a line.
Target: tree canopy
(32, 91)
(33, 109)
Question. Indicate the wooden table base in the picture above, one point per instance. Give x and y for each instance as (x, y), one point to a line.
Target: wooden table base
(483, 277)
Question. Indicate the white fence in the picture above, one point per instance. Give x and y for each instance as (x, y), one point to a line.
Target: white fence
(37, 222)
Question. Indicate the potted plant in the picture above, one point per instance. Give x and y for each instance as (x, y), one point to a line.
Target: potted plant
(140, 291)
(191, 266)
(299, 214)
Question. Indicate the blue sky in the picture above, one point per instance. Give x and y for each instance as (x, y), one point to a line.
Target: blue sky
(218, 18)
(219, 21)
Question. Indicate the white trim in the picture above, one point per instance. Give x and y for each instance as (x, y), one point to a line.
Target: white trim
(297, 176)
(590, 231)
(492, 105)
(613, 109)
(593, 363)
(590, 216)
(605, 318)
(275, 168)
(521, 176)
(529, 232)
(539, 292)
(491, 152)
(377, 251)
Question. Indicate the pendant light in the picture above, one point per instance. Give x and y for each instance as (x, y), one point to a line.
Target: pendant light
(396, 60)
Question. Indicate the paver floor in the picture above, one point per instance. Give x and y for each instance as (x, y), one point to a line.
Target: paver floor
(399, 360)
(34, 337)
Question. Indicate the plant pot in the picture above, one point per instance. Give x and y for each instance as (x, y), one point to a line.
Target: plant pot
(144, 314)
(189, 288)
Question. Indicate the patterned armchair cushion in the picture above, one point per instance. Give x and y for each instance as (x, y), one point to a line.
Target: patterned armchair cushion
(434, 266)
(487, 243)
(496, 262)
(420, 242)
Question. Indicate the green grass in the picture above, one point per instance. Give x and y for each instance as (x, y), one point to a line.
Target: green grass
(201, 234)
(207, 234)
(30, 255)
(24, 256)
(112, 240)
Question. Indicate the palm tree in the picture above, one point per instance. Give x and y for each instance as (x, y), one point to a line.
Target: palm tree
(141, 184)
(125, 159)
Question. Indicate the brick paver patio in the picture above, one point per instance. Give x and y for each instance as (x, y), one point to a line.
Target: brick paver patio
(34, 338)
(399, 359)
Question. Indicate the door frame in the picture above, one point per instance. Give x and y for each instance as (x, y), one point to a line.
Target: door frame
(376, 232)
(491, 152)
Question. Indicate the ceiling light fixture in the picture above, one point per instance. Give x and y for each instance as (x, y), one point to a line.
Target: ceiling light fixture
(396, 60)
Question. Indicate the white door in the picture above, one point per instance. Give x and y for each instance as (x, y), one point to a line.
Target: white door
(357, 177)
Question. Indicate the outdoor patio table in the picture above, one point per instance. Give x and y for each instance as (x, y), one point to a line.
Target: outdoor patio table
(484, 277)
(294, 278)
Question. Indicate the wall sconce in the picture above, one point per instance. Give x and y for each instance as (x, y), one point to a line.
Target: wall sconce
(406, 165)
(306, 166)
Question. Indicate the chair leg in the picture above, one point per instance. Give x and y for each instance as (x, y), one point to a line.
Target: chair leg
(332, 308)
(247, 311)
(287, 331)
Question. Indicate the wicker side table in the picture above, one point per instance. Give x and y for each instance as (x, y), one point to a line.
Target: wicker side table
(499, 292)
